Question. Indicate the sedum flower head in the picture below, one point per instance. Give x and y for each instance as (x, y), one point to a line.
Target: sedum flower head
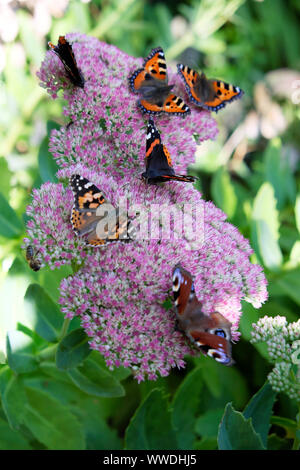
(283, 343)
(119, 290)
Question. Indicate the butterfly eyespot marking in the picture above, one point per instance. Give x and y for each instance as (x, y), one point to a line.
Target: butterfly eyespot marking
(218, 356)
(214, 354)
(210, 334)
(219, 332)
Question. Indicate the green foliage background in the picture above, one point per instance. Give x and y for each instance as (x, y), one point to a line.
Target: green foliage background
(55, 393)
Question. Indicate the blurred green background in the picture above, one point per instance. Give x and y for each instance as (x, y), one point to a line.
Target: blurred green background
(251, 172)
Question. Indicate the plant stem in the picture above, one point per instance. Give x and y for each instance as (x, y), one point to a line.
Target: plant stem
(64, 328)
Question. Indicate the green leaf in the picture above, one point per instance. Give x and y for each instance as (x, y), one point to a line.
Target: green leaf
(277, 443)
(251, 315)
(294, 260)
(50, 369)
(278, 173)
(99, 436)
(207, 443)
(184, 408)
(52, 423)
(268, 247)
(259, 409)
(297, 212)
(13, 397)
(94, 380)
(207, 425)
(289, 283)
(10, 224)
(20, 352)
(47, 165)
(264, 209)
(72, 349)
(5, 176)
(150, 427)
(11, 440)
(119, 373)
(287, 424)
(29, 36)
(237, 433)
(223, 192)
(50, 280)
(43, 314)
(219, 379)
(265, 227)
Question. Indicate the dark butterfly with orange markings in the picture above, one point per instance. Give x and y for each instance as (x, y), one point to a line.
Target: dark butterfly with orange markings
(97, 228)
(151, 82)
(158, 161)
(211, 334)
(208, 94)
(65, 52)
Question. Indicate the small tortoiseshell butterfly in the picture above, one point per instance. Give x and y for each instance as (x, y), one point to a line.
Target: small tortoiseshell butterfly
(158, 161)
(208, 94)
(84, 218)
(65, 53)
(31, 257)
(210, 333)
(151, 82)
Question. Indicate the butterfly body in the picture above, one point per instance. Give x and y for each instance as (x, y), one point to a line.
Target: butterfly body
(158, 160)
(208, 94)
(211, 334)
(65, 52)
(31, 257)
(85, 217)
(151, 83)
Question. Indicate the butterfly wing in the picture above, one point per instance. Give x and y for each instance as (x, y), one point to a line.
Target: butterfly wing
(224, 93)
(151, 82)
(87, 198)
(170, 104)
(191, 79)
(210, 333)
(183, 289)
(159, 166)
(85, 219)
(65, 53)
(154, 69)
(155, 65)
(208, 94)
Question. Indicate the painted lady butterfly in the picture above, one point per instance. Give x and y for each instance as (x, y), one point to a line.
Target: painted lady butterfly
(97, 229)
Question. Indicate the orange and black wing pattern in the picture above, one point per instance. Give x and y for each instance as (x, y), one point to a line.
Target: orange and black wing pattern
(65, 52)
(87, 198)
(159, 166)
(85, 220)
(171, 104)
(212, 95)
(151, 82)
(154, 67)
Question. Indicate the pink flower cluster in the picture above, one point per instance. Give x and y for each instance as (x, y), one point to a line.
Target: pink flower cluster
(120, 289)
